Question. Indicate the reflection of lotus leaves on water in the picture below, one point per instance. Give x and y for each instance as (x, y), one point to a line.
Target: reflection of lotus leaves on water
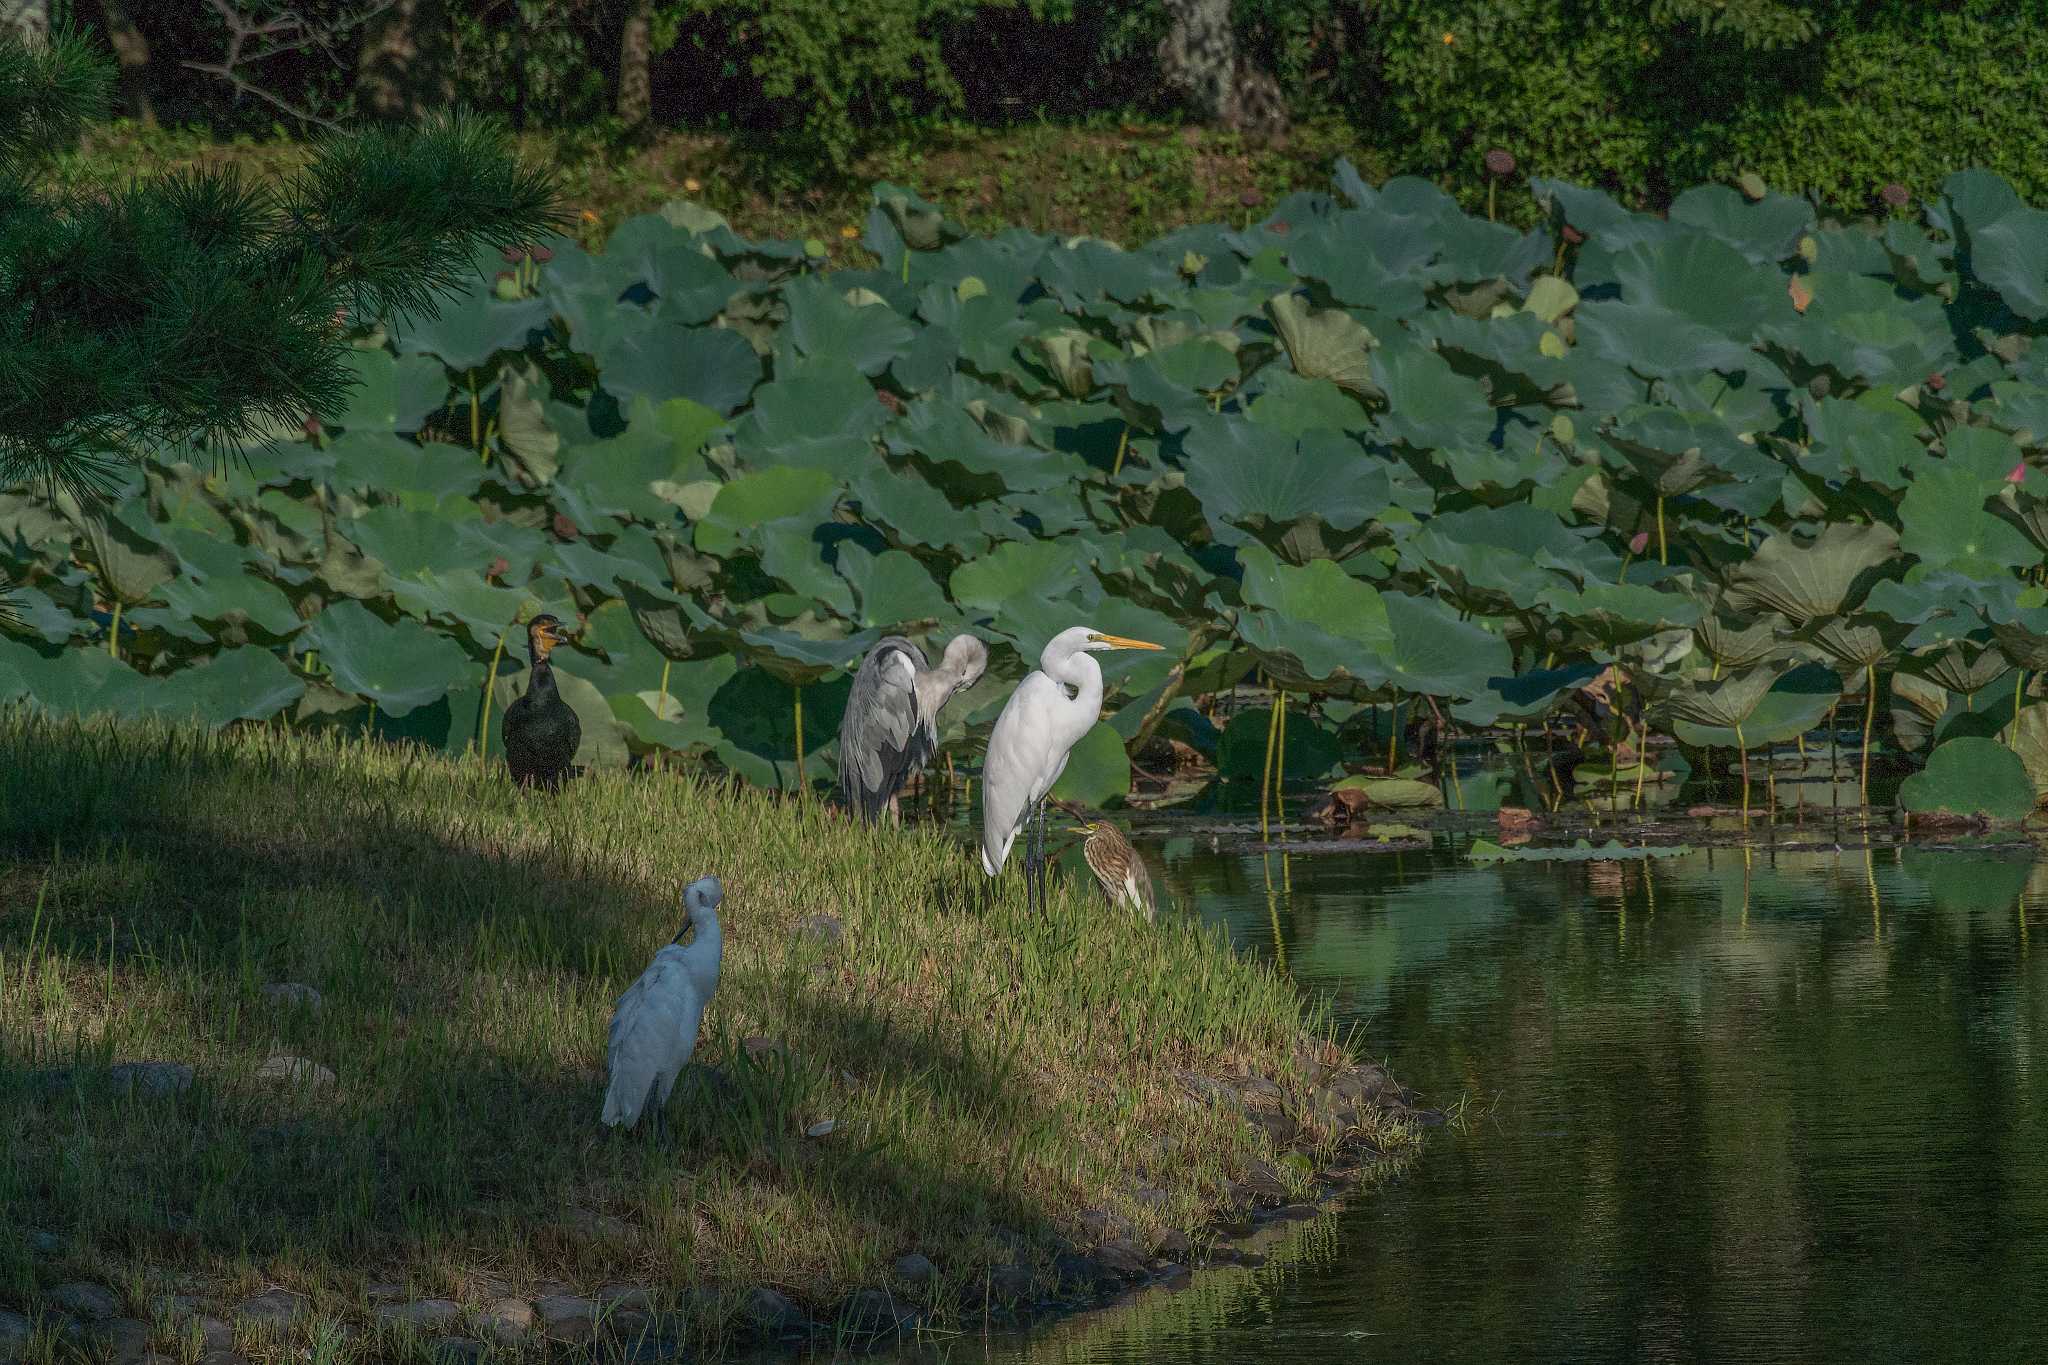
(1389, 454)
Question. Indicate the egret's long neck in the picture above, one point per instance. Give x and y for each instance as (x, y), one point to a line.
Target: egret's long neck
(705, 949)
(1077, 670)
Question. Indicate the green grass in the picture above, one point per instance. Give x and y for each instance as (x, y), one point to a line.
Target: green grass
(988, 1069)
(1123, 180)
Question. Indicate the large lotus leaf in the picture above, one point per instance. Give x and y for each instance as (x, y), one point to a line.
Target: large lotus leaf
(531, 443)
(2029, 739)
(1875, 438)
(1148, 565)
(763, 496)
(409, 544)
(1651, 340)
(1794, 703)
(73, 681)
(819, 413)
(917, 513)
(792, 553)
(32, 612)
(754, 714)
(1699, 278)
(1044, 569)
(894, 589)
(1724, 702)
(1677, 451)
(1970, 776)
(1961, 665)
(1428, 403)
(824, 324)
(399, 667)
(1310, 750)
(418, 476)
(1765, 231)
(128, 562)
(946, 433)
(628, 475)
(647, 250)
(488, 615)
(1097, 769)
(804, 659)
(1287, 402)
(1088, 270)
(1323, 617)
(393, 394)
(236, 684)
(1737, 642)
(1946, 524)
(473, 327)
(1527, 697)
(1436, 653)
(1619, 613)
(1807, 580)
(660, 359)
(1341, 255)
(1330, 344)
(1250, 477)
(1508, 353)
(1919, 706)
(2006, 240)
(235, 599)
(1857, 641)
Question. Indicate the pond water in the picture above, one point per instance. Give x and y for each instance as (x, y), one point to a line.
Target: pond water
(1733, 1105)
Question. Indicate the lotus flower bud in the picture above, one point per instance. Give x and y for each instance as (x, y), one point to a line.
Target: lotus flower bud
(1639, 542)
(1499, 163)
(1573, 235)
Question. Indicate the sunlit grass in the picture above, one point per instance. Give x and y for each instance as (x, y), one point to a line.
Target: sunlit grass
(986, 1069)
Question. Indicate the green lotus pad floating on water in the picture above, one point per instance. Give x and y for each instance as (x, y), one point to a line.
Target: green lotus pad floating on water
(1582, 851)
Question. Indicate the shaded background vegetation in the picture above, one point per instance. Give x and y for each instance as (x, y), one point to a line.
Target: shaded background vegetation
(1832, 98)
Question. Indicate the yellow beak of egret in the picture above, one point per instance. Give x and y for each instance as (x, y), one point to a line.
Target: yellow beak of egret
(1121, 642)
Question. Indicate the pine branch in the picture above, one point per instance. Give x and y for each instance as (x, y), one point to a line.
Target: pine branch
(48, 95)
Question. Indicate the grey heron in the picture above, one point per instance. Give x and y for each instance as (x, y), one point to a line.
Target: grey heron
(892, 717)
(654, 1027)
(1055, 705)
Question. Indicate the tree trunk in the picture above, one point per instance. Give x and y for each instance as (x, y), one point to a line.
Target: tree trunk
(635, 51)
(1198, 56)
(400, 72)
(131, 50)
(28, 19)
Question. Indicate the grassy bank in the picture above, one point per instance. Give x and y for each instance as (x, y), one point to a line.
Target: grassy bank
(1001, 1087)
(1127, 181)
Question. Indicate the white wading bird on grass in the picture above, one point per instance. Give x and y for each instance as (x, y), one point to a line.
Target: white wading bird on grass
(654, 1027)
(1046, 716)
(892, 717)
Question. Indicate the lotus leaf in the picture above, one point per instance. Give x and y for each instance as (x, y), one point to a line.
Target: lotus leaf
(823, 323)
(1946, 524)
(399, 667)
(531, 444)
(1330, 344)
(1395, 793)
(1794, 702)
(659, 359)
(1430, 404)
(1807, 580)
(2006, 240)
(1582, 851)
(235, 684)
(393, 394)
(1970, 776)
(1252, 478)
(1097, 769)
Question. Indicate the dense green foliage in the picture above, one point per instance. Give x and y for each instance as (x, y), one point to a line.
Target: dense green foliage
(1372, 445)
(1835, 98)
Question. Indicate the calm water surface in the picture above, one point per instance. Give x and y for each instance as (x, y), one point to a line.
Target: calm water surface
(1721, 1107)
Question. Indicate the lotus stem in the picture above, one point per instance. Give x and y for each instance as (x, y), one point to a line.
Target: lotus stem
(370, 725)
(2019, 687)
(797, 690)
(1642, 760)
(1280, 770)
(476, 413)
(1770, 785)
(1742, 751)
(483, 728)
(1662, 557)
(1490, 186)
(1266, 770)
(1557, 266)
(114, 631)
(1393, 732)
(1123, 443)
(1869, 720)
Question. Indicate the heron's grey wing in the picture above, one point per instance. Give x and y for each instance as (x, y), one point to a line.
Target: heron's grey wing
(646, 1036)
(1019, 754)
(878, 739)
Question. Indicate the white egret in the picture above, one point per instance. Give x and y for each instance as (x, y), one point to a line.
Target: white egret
(654, 1027)
(1055, 705)
(892, 717)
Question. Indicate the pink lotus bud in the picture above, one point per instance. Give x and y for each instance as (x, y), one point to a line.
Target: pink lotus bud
(1639, 542)
(2019, 472)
